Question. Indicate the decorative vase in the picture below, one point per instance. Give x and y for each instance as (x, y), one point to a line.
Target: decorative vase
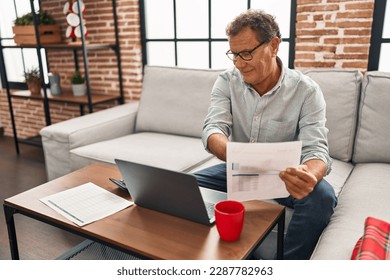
(34, 86)
(55, 84)
(78, 89)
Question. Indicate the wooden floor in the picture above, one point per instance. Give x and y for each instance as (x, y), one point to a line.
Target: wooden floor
(36, 240)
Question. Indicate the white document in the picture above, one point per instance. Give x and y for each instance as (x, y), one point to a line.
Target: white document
(253, 169)
(86, 203)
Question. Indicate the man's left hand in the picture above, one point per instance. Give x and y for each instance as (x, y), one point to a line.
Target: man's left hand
(299, 181)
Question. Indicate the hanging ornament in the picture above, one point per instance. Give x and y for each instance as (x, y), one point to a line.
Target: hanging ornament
(73, 19)
(75, 7)
(77, 31)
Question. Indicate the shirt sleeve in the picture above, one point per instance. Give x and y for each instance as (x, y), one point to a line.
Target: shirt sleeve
(219, 117)
(312, 130)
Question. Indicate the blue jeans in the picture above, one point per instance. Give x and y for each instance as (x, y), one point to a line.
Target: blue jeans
(310, 217)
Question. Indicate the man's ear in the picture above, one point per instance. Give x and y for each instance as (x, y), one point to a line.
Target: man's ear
(275, 42)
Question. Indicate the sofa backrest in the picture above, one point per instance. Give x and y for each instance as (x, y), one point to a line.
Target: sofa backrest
(373, 130)
(341, 89)
(175, 100)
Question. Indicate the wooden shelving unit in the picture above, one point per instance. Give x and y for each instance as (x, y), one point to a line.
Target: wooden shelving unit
(67, 97)
(89, 100)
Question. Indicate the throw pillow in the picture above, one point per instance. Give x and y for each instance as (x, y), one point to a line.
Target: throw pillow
(375, 242)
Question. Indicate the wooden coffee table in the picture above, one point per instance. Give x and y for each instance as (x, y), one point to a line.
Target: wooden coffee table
(143, 232)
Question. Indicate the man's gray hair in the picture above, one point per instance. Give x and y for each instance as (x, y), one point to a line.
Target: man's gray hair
(262, 23)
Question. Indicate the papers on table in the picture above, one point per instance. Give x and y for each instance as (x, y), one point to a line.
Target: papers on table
(253, 169)
(86, 203)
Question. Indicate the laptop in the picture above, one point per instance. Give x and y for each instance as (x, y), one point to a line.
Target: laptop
(170, 192)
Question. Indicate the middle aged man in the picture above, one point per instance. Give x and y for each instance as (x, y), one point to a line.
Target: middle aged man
(260, 100)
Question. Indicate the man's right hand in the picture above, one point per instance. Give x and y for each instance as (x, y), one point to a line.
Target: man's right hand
(216, 143)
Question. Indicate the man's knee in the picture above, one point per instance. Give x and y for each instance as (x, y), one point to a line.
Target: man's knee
(213, 177)
(323, 203)
(325, 193)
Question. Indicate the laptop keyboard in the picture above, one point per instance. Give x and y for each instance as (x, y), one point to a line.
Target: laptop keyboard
(210, 209)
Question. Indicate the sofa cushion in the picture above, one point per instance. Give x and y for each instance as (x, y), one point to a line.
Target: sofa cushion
(175, 100)
(373, 132)
(341, 89)
(160, 150)
(339, 175)
(366, 193)
(58, 139)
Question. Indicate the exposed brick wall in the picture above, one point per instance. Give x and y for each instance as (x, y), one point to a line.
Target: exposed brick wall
(330, 33)
(103, 71)
(333, 33)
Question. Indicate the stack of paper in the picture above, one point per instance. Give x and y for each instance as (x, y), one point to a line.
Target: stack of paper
(86, 203)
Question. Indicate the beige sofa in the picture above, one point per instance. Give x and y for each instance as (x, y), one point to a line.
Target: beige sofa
(164, 130)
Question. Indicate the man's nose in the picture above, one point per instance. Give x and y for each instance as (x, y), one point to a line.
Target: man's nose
(239, 62)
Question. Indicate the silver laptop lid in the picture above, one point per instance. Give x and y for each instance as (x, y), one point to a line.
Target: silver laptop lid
(167, 191)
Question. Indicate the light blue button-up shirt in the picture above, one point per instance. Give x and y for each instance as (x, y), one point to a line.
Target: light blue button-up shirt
(294, 110)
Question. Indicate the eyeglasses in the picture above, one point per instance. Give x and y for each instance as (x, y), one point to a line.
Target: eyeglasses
(245, 55)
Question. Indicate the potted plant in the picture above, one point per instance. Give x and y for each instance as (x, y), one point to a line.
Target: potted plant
(33, 80)
(27, 19)
(78, 84)
(24, 30)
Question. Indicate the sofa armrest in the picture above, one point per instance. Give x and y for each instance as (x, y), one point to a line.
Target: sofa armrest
(60, 138)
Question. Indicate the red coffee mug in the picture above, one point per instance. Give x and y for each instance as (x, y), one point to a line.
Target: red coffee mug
(229, 219)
